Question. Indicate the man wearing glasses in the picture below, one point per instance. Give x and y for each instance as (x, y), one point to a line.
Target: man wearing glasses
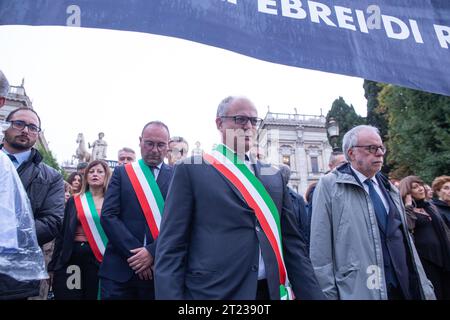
(178, 150)
(130, 217)
(43, 184)
(219, 235)
(360, 246)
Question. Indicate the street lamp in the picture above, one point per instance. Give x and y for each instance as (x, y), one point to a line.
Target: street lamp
(333, 133)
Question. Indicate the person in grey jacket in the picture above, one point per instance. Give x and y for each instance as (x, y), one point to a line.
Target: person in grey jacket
(44, 187)
(360, 245)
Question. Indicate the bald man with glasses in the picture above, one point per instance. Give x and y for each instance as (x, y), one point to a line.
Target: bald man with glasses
(228, 230)
(130, 217)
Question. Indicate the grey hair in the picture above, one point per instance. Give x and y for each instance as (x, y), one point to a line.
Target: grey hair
(351, 137)
(126, 149)
(4, 85)
(223, 106)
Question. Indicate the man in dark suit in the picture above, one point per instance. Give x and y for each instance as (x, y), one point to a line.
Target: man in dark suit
(212, 245)
(126, 271)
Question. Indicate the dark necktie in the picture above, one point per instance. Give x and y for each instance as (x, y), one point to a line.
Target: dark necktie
(378, 205)
(153, 170)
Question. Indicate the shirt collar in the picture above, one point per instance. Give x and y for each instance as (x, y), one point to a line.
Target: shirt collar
(21, 156)
(362, 177)
(159, 166)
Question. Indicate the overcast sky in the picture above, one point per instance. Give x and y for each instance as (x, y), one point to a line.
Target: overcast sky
(92, 80)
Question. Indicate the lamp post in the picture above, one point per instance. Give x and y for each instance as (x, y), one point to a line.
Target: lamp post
(333, 133)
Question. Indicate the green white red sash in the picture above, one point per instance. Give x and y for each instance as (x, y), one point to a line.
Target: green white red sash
(148, 194)
(226, 162)
(90, 222)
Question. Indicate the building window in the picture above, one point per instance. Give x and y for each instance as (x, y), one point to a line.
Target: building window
(314, 165)
(287, 160)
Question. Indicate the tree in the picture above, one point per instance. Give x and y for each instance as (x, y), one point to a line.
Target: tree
(346, 117)
(50, 160)
(375, 116)
(419, 139)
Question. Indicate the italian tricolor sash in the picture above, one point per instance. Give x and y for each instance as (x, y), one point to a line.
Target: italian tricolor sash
(148, 194)
(255, 194)
(90, 221)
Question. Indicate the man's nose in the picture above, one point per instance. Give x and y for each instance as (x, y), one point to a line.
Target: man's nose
(248, 125)
(27, 129)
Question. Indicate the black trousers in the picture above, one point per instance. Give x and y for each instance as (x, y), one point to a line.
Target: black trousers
(78, 280)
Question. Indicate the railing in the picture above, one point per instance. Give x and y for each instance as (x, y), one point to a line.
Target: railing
(288, 117)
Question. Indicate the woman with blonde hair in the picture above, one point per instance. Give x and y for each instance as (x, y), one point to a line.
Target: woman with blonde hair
(80, 246)
(430, 234)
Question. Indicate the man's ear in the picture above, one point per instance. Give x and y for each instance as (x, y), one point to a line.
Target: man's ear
(2, 101)
(350, 153)
(219, 123)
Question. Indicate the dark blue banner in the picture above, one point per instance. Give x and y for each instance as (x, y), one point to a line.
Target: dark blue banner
(404, 42)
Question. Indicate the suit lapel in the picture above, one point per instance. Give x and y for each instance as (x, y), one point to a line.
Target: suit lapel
(163, 179)
(232, 187)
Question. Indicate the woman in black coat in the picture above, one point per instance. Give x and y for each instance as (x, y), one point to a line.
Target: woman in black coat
(430, 235)
(80, 245)
(441, 187)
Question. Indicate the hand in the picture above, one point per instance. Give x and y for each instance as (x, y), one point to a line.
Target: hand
(141, 260)
(408, 200)
(147, 274)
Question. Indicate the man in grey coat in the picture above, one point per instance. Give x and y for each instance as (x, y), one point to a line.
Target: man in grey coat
(360, 244)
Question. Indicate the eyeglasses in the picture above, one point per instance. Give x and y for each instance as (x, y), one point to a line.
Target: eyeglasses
(372, 148)
(160, 145)
(242, 120)
(20, 125)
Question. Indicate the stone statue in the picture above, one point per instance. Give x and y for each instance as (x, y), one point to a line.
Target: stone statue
(197, 151)
(99, 148)
(81, 153)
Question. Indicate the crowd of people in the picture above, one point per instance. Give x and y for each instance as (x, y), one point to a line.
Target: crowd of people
(226, 225)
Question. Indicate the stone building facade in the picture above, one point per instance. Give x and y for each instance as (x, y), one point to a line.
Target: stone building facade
(299, 141)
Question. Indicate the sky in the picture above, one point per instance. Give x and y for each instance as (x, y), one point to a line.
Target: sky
(95, 80)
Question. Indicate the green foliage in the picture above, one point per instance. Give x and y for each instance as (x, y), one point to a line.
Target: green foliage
(346, 117)
(50, 160)
(419, 138)
(375, 116)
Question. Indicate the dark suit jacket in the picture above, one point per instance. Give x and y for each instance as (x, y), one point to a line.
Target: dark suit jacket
(209, 243)
(65, 239)
(125, 225)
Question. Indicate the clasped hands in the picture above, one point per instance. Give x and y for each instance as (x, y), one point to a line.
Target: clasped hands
(142, 263)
